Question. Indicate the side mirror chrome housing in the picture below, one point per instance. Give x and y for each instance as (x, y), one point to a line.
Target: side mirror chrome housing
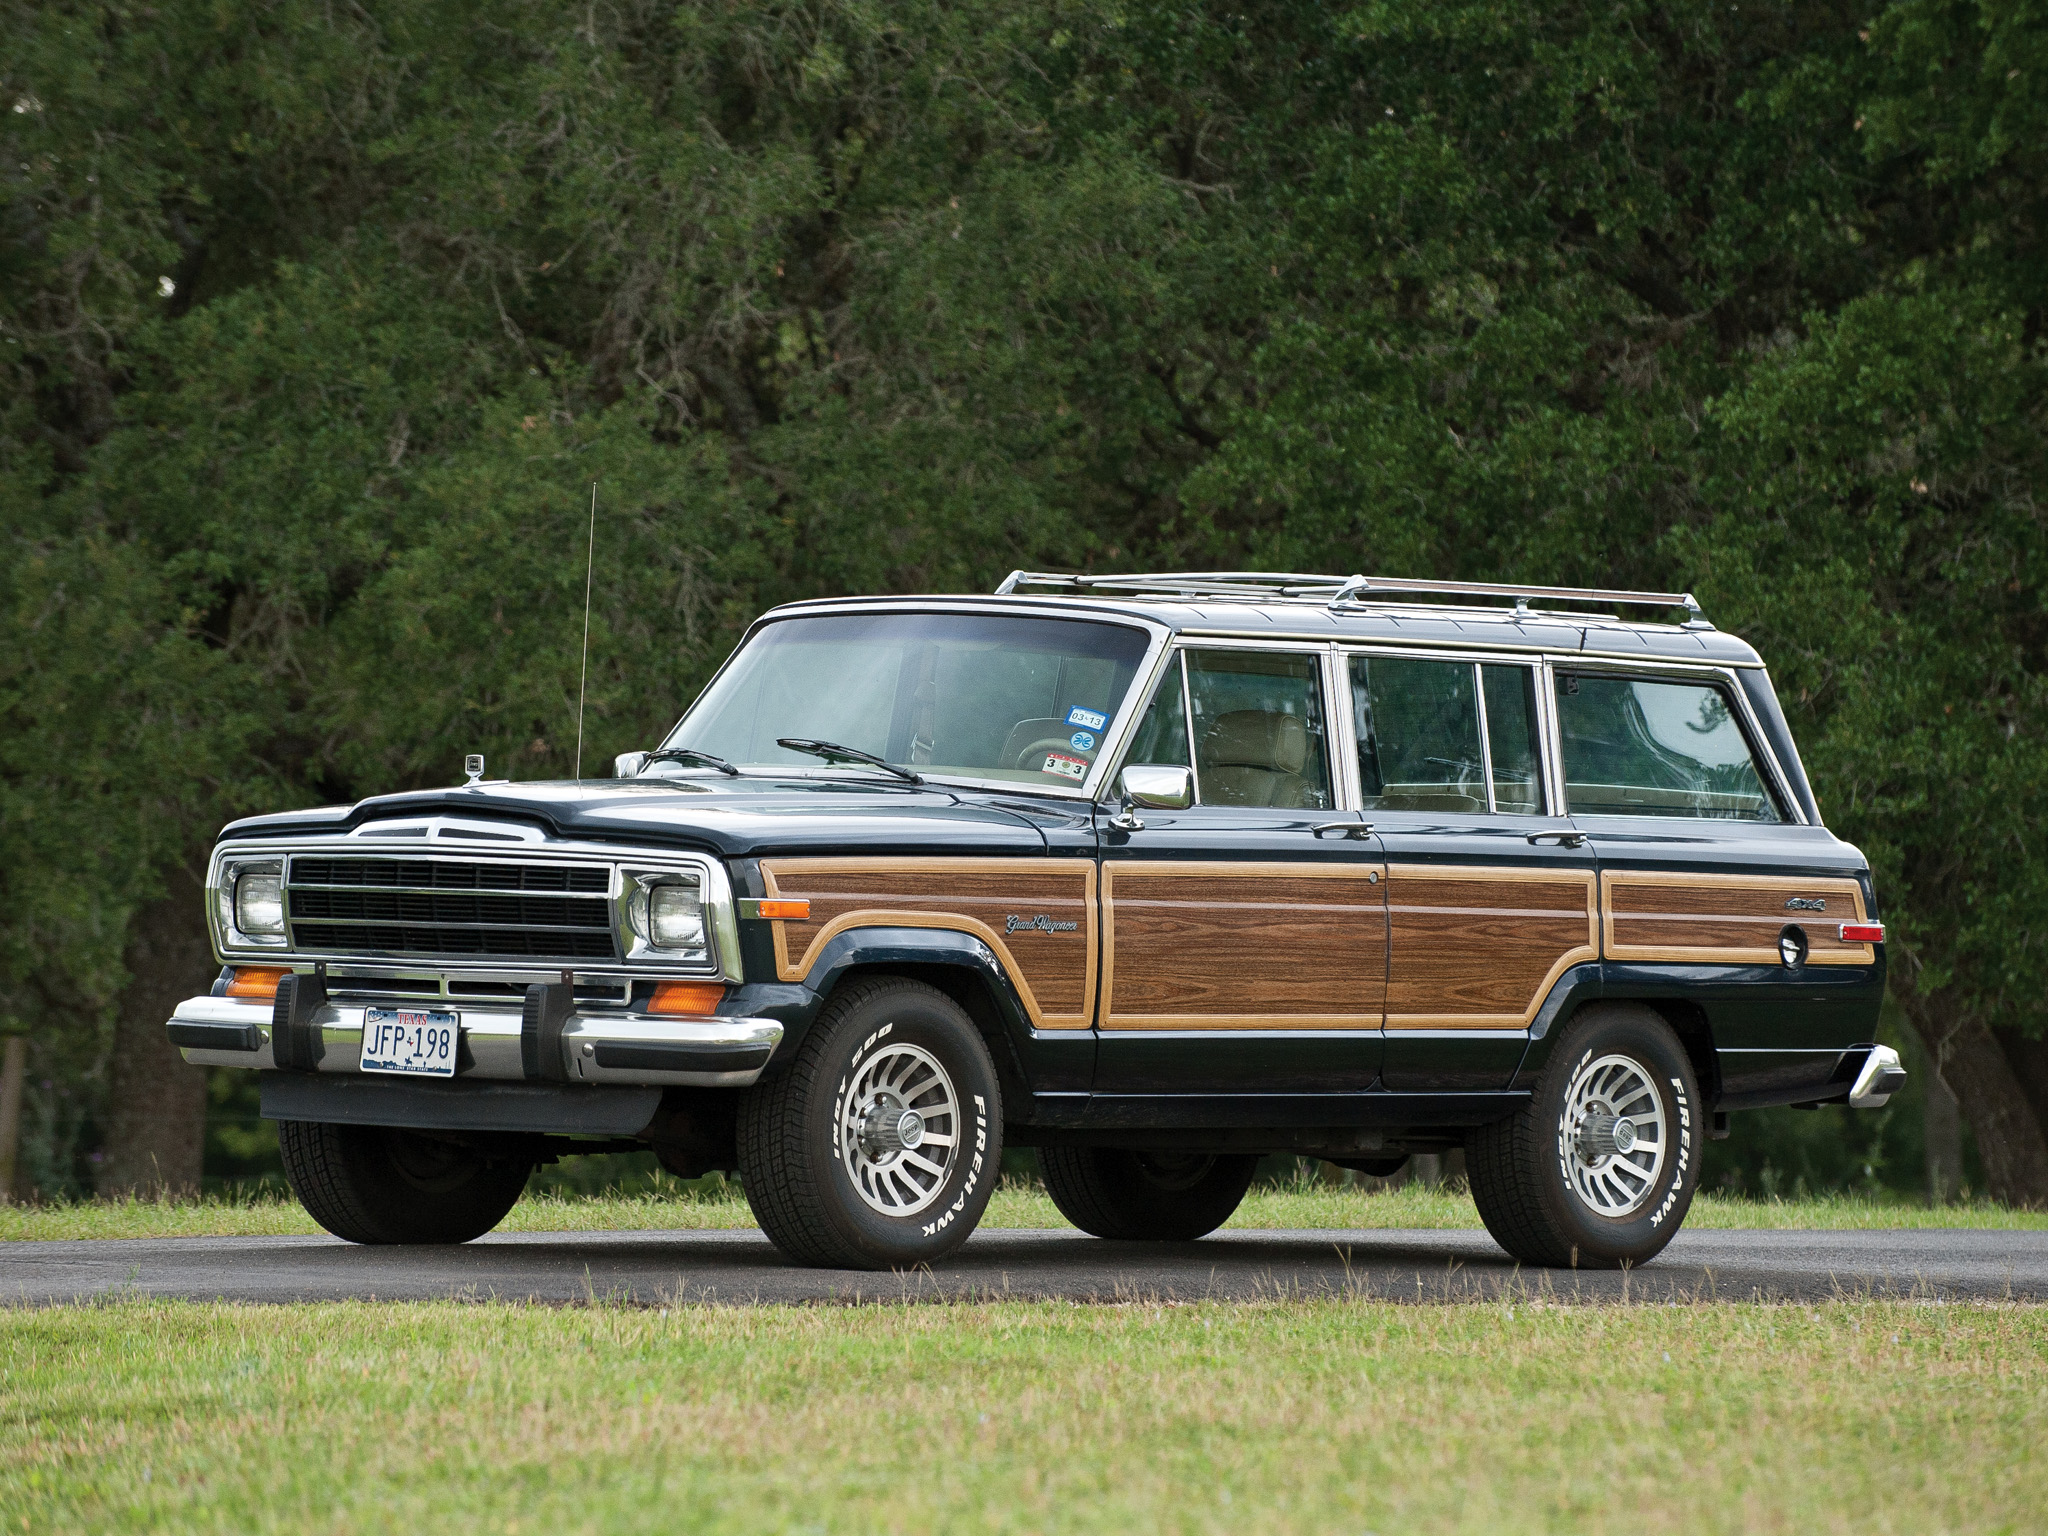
(627, 765)
(1158, 788)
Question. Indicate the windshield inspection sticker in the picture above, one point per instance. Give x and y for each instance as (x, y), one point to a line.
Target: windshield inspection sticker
(1066, 767)
(1087, 719)
(1081, 741)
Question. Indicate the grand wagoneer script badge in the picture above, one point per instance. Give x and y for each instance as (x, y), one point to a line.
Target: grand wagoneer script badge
(1041, 924)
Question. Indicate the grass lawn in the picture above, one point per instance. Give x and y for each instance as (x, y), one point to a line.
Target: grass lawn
(1017, 1203)
(1299, 1417)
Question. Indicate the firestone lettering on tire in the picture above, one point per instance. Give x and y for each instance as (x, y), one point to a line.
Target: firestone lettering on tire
(945, 1220)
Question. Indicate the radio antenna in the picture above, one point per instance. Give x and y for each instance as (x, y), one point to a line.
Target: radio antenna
(583, 685)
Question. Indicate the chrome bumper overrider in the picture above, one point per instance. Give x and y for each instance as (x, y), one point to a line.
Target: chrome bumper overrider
(596, 1048)
(1881, 1077)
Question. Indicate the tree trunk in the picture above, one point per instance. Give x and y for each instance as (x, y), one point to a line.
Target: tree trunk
(156, 1104)
(1942, 1123)
(2011, 1139)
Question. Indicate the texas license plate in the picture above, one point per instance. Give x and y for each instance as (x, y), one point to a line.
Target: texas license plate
(420, 1044)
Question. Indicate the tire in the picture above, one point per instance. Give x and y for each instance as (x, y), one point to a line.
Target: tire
(1551, 1190)
(817, 1140)
(1160, 1197)
(377, 1184)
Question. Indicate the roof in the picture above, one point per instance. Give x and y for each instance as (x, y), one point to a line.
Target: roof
(1320, 608)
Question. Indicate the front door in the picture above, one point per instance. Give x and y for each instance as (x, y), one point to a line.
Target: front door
(1490, 899)
(1245, 937)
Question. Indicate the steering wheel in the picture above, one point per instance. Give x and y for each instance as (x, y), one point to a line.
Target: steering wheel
(1033, 756)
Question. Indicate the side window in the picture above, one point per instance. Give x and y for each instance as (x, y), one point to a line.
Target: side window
(1511, 739)
(1633, 747)
(1162, 736)
(1258, 729)
(1424, 745)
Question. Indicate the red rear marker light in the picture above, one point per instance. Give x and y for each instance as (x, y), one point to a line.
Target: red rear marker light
(1863, 933)
(698, 997)
(256, 981)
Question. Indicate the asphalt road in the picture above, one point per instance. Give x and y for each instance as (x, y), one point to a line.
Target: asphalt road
(666, 1268)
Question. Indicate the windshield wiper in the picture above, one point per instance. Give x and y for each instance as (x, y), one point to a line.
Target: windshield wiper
(832, 752)
(692, 755)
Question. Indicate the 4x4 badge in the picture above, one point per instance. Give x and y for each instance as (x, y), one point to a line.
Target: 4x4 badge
(1808, 904)
(1041, 924)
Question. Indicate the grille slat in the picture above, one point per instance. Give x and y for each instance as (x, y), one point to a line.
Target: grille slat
(391, 906)
(448, 875)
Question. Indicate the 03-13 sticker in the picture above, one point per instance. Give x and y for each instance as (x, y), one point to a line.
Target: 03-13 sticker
(1066, 767)
(1087, 719)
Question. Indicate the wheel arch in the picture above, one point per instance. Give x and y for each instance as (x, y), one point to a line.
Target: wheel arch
(951, 961)
(1688, 1021)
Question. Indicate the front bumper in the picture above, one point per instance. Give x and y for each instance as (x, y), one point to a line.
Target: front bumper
(646, 1049)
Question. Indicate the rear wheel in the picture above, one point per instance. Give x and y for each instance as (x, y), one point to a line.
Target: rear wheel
(878, 1145)
(379, 1184)
(1599, 1168)
(1168, 1197)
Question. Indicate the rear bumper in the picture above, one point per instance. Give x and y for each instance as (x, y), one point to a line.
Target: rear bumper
(622, 1048)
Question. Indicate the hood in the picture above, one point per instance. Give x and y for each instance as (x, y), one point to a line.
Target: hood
(733, 818)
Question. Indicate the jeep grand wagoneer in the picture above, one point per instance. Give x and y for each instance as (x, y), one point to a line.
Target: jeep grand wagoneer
(1156, 874)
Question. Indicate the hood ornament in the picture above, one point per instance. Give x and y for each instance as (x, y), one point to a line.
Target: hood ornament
(473, 765)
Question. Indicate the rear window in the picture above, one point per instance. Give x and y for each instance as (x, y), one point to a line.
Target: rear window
(1649, 747)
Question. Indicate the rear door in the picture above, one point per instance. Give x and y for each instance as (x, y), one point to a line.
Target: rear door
(1245, 937)
(1490, 890)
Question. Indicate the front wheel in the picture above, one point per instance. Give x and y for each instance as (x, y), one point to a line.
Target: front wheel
(1598, 1169)
(877, 1146)
(1162, 1197)
(378, 1184)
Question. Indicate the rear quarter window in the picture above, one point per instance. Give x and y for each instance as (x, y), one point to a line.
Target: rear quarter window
(1653, 747)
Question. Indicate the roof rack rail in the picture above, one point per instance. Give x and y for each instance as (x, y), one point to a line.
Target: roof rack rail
(1341, 591)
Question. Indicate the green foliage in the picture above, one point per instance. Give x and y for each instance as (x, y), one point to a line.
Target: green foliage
(318, 325)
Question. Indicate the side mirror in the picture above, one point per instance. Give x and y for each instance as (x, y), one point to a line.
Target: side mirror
(627, 765)
(1158, 788)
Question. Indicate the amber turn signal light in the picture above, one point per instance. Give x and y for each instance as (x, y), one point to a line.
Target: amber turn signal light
(1863, 933)
(777, 909)
(256, 981)
(686, 997)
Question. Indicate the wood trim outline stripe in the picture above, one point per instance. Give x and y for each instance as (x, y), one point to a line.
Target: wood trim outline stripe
(1724, 954)
(1578, 954)
(1226, 869)
(956, 922)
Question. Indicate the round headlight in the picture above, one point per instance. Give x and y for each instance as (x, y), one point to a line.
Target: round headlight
(675, 917)
(259, 904)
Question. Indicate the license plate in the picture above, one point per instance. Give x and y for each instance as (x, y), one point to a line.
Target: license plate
(419, 1044)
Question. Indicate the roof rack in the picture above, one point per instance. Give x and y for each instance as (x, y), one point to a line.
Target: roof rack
(1336, 592)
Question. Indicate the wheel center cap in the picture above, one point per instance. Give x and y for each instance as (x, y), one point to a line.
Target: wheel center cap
(889, 1128)
(1603, 1135)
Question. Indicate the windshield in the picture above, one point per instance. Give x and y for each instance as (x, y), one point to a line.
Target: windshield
(974, 695)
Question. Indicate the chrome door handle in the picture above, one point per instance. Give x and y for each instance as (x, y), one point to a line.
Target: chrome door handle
(1356, 831)
(1562, 839)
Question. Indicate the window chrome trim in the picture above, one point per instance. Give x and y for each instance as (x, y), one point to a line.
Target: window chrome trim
(721, 919)
(1317, 650)
(1479, 660)
(1723, 677)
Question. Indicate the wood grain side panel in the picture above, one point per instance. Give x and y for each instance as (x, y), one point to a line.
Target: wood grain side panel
(1480, 948)
(1727, 919)
(1053, 970)
(1199, 945)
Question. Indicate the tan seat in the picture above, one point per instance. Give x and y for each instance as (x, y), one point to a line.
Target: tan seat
(1255, 757)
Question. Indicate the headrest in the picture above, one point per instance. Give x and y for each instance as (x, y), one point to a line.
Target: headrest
(1257, 738)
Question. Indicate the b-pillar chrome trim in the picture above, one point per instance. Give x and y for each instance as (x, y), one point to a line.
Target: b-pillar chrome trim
(650, 1049)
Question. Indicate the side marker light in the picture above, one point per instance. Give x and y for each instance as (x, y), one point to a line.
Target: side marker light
(778, 909)
(1863, 933)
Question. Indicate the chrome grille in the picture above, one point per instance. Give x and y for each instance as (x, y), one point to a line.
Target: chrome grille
(448, 907)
